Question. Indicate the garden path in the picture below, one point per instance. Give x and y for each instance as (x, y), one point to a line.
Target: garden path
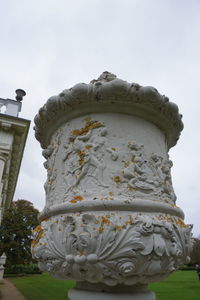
(9, 292)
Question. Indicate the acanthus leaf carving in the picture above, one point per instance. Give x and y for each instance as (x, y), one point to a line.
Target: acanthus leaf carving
(104, 249)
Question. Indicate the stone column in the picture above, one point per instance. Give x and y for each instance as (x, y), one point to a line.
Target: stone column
(110, 221)
(6, 142)
(2, 263)
(2, 164)
(2, 167)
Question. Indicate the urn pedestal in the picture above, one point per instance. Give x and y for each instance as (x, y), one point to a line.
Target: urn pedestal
(110, 221)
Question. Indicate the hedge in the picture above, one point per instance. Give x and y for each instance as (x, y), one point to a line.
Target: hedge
(22, 269)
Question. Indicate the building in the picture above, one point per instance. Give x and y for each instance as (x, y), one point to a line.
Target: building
(13, 135)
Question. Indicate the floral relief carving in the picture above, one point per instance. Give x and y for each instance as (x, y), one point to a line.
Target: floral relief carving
(108, 249)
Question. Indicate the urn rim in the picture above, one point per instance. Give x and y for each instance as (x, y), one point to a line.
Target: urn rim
(108, 94)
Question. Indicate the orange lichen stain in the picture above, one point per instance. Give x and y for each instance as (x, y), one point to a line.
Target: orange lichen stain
(113, 148)
(171, 204)
(81, 253)
(38, 228)
(76, 199)
(131, 188)
(168, 219)
(130, 221)
(133, 159)
(117, 179)
(81, 155)
(88, 147)
(88, 126)
(165, 180)
(101, 229)
(126, 163)
(39, 234)
(96, 222)
(118, 228)
(180, 223)
(45, 220)
(110, 193)
(105, 220)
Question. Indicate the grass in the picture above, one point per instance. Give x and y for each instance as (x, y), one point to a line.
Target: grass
(182, 285)
(43, 287)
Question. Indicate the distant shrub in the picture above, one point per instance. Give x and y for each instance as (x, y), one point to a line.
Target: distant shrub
(22, 269)
(187, 267)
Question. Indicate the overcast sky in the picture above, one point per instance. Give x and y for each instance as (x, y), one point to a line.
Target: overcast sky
(49, 45)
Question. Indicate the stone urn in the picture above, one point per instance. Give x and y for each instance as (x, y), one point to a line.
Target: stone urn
(110, 221)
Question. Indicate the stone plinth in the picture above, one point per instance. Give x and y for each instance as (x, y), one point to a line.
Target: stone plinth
(110, 221)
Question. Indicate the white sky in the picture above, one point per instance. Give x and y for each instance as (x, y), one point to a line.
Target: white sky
(49, 45)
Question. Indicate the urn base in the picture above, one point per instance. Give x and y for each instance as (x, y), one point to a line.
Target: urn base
(85, 291)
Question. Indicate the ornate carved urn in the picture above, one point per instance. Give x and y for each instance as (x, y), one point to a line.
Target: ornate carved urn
(110, 221)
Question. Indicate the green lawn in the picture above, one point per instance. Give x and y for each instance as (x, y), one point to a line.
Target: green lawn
(42, 287)
(182, 285)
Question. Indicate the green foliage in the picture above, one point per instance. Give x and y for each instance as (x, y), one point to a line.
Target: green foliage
(187, 267)
(195, 253)
(22, 269)
(16, 232)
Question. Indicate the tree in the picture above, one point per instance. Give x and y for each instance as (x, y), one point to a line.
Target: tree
(195, 253)
(16, 232)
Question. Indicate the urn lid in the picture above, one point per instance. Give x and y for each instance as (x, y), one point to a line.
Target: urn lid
(109, 94)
